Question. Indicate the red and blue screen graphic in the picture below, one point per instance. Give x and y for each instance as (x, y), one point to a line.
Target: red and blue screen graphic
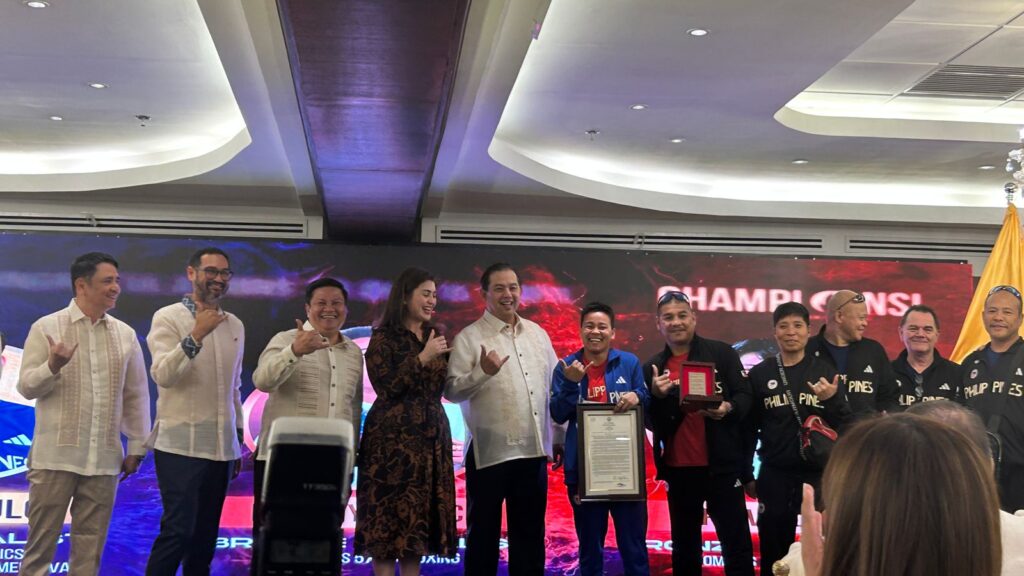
(733, 297)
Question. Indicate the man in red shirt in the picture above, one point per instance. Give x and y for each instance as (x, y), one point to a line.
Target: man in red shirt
(699, 453)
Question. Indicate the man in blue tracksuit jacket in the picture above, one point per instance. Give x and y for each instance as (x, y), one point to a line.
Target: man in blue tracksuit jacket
(597, 373)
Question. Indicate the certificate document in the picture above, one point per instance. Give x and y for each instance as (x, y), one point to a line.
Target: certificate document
(611, 454)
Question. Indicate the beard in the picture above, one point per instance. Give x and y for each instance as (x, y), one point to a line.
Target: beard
(205, 293)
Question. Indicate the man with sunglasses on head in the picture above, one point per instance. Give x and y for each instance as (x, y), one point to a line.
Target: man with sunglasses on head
(197, 434)
(993, 386)
(922, 374)
(699, 453)
(865, 374)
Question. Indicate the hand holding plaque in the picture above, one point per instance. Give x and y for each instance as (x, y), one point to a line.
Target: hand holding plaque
(697, 385)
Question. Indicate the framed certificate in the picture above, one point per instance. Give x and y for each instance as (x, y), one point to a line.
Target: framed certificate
(610, 453)
(697, 385)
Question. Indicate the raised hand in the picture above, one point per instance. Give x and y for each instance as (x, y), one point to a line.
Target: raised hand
(660, 383)
(575, 371)
(60, 354)
(824, 389)
(812, 538)
(307, 341)
(490, 362)
(434, 347)
(207, 321)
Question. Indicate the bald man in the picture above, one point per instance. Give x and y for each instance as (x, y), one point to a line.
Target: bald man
(865, 373)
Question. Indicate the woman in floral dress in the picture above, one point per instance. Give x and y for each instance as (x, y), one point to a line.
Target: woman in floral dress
(406, 489)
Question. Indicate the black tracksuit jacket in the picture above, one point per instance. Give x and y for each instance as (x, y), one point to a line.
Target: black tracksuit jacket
(771, 418)
(990, 389)
(869, 382)
(726, 452)
(942, 380)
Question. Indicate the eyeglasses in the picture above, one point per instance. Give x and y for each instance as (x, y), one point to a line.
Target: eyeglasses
(1005, 288)
(212, 273)
(857, 298)
(673, 295)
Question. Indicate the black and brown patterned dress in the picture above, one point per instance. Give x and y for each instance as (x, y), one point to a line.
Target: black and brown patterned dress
(405, 499)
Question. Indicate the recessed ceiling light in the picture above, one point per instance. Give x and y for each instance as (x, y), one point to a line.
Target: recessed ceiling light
(56, 118)
(677, 140)
(800, 161)
(697, 32)
(36, 3)
(638, 107)
(97, 85)
(986, 167)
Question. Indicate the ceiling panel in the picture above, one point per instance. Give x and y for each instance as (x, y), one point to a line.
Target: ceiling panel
(871, 77)
(910, 42)
(985, 12)
(1004, 48)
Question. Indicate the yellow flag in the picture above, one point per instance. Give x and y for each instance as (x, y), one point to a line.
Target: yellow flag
(1003, 267)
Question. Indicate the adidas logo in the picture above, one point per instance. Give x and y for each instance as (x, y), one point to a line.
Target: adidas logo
(944, 387)
(868, 370)
(1018, 372)
(738, 483)
(19, 440)
(621, 380)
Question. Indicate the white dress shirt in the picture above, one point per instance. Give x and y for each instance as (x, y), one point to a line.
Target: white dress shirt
(326, 383)
(199, 402)
(506, 414)
(100, 394)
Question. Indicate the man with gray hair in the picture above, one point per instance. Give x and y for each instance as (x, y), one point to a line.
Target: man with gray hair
(922, 373)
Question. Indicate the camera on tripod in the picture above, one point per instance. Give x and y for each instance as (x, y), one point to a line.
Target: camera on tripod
(305, 488)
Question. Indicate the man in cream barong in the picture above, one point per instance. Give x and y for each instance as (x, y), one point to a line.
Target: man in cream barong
(311, 370)
(197, 434)
(86, 373)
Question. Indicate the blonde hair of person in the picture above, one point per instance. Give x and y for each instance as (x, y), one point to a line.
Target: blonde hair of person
(908, 496)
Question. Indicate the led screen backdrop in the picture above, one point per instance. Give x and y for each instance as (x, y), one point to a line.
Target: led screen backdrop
(733, 296)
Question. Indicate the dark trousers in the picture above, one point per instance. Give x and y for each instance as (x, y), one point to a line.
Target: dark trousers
(522, 484)
(591, 520)
(688, 489)
(780, 493)
(259, 468)
(192, 491)
(1011, 487)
